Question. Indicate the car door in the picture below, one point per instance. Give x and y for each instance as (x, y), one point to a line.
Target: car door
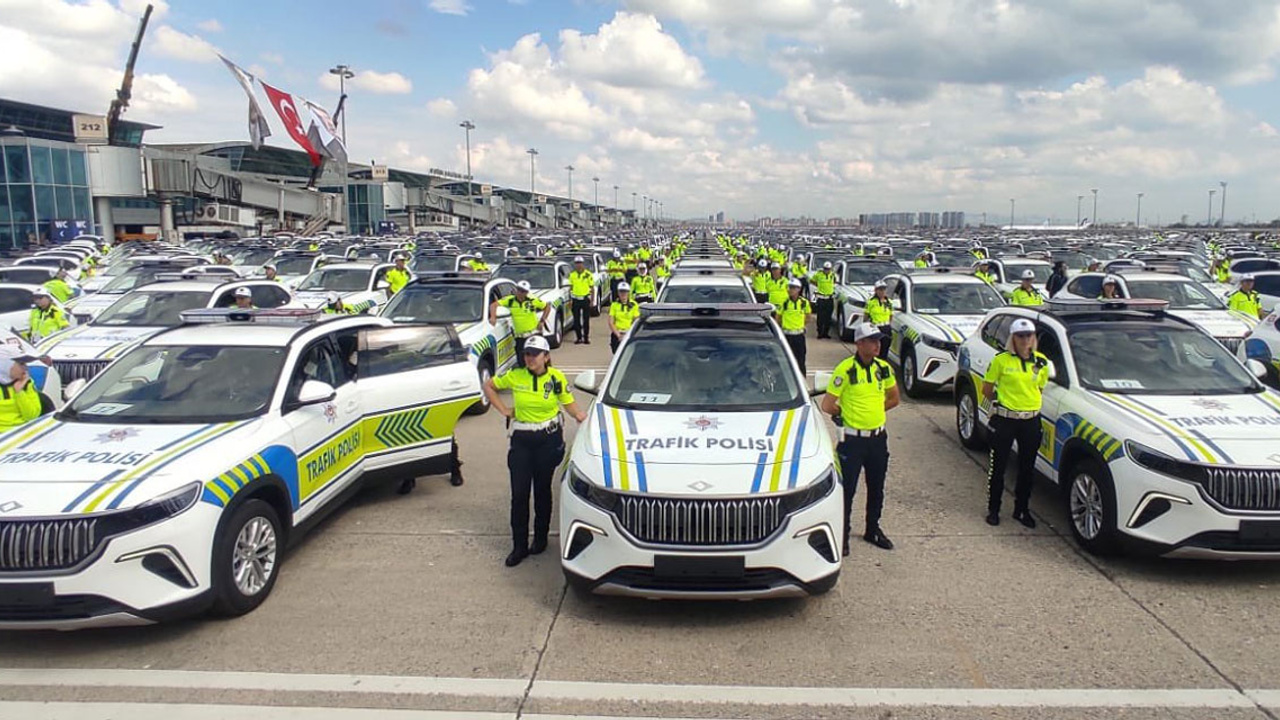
(270, 295)
(1054, 400)
(415, 381)
(503, 331)
(327, 435)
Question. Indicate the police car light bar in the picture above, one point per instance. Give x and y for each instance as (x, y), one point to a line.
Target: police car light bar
(193, 277)
(276, 316)
(1076, 305)
(698, 310)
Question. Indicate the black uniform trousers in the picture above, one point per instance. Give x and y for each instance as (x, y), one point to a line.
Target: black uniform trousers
(520, 350)
(532, 460)
(614, 342)
(1004, 431)
(824, 307)
(886, 337)
(582, 318)
(798, 348)
(857, 454)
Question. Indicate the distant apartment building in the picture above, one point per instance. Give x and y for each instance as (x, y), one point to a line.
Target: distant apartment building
(887, 220)
(953, 219)
(928, 219)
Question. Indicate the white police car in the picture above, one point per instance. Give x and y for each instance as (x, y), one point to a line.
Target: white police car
(358, 284)
(934, 311)
(462, 300)
(549, 282)
(856, 282)
(1161, 440)
(174, 481)
(704, 469)
(1263, 345)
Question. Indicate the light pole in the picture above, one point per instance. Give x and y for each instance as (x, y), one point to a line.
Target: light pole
(570, 169)
(615, 198)
(1138, 222)
(468, 126)
(1079, 199)
(533, 153)
(1209, 218)
(344, 74)
(596, 182)
(633, 208)
(1012, 204)
(1095, 206)
(1223, 218)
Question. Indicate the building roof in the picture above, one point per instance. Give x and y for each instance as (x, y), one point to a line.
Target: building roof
(46, 123)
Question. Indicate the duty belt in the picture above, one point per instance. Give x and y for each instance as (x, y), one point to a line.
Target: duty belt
(792, 332)
(824, 297)
(581, 297)
(851, 432)
(1015, 414)
(547, 426)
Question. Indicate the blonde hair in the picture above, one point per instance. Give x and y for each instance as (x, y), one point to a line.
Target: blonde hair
(1035, 345)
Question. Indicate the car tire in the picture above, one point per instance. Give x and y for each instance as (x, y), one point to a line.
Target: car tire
(969, 428)
(846, 334)
(595, 306)
(1090, 498)
(907, 370)
(481, 406)
(249, 545)
(556, 339)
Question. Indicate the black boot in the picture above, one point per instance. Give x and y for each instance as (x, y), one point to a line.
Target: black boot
(539, 546)
(993, 517)
(517, 556)
(1024, 517)
(456, 479)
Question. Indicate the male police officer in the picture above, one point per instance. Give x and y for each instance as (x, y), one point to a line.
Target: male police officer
(760, 281)
(271, 272)
(398, 276)
(824, 290)
(46, 319)
(984, 273)
(58, 287)
(643, 287)
(581, 283)
(792, 315)
(880, 314)
(1246, 300)
(525, 318)
(862, 390)
(1026, 294)
(244, 299)
(776, 285)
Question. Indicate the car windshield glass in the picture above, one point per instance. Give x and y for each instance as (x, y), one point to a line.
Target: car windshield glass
(337, 280)
(952, 258)
(296, 265)
(1013, 272)
(1181, 295)
(868, 273)
(134, 278)
(436, 303)
(25, 276)
(160, 308)
(704, 294)
(14, 299)
(690, 371)
(252, 257)
(181, 384)
(539, 277)
(491, 256)
(1074, 260)
(955, 299)
(1176, 360)
(435, 263)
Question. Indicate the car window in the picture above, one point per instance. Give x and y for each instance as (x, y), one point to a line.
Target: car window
(1267, 284)
(318, 362)
(1052, 349)
(1087, 287)
(152, 308)
(14, 300)
(996, 331)
(1176, 360)
(436, 303)
(386, 351)
(270, 296)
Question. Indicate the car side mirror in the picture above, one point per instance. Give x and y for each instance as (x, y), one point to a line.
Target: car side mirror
(587, 382)
(821, 381)
(74, 387)
(1257, 368)
(315, 392)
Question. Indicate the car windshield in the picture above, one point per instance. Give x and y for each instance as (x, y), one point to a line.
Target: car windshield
(1176, 360)
(252, 257)
(296, 265)
(491, 256)
(955, 299)
(706, 294)
(539, 277)
(952, 258)
(435, 263)
(134, 279)
(868, 273)
(25, 276)
(436, 303)
(1181, 295)
(13, 299)
(181, 384)
(337, 280)
(1074, 260)
(1013, 272)
(692, 371)
(152, 308)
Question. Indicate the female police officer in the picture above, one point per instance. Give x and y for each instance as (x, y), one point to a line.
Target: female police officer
(1014, 382)
(537, 441)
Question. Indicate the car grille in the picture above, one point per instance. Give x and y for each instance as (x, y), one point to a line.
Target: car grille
(32, 545)
(701, 522)
(1244, 489)
(1231, 343)
(70, 370)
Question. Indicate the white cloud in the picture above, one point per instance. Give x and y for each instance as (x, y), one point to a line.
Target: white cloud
(450, 7)
(171, 43)
(273, 58)
(630, 51)
(442, 107)
(371, 81)
(211, 25)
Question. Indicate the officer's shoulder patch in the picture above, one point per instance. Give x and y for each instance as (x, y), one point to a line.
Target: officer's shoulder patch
(837, 381)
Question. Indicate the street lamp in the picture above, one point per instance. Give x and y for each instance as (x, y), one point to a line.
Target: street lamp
(1095, 205)
(570, 169)
(1209, 219)
(1079, 199)
(596, 180)
(468, 126)
(1138, 222)
(1223, 219)
(615, 198)
(344, 74)
(533, 153)
(1012, 204)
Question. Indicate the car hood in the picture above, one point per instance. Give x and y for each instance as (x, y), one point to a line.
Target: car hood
(318, 298)
(713, 453)
(50, 467)
(1218, 323)
(88, 342)
(1232, 429)
(950, 327)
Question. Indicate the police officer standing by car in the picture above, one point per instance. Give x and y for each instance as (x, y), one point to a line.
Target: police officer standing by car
(46, 319)
(880, 313)
(622, 315)
(398, 276)
(1026, 294)
(1013, 384)
(861, 392)
(1245, 299)
(824, 291)
(793, 314)
(581, 283)
(537, 440)
(525, 320)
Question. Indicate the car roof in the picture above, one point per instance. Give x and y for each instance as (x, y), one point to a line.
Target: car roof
(242, 334)
(705, 280)
(932, 278)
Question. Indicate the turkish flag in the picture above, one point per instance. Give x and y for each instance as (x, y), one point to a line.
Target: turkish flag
(287, 109)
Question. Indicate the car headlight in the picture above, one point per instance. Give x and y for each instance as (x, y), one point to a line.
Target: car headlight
(812, 494)
(153, 511)
(597, 496)
(1154, 460)
(940, 344)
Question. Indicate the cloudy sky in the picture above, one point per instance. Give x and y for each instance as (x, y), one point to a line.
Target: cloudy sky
(754, 107)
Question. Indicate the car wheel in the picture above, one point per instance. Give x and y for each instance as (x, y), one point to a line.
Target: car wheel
(846, 334)
(595, 306)
(486, 374)
(246, 558)
(968, 424)
(908, 368)
(555, 340)
(1091, 505)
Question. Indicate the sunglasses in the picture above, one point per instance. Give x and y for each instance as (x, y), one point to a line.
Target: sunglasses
(533, 352)
(1024, 334)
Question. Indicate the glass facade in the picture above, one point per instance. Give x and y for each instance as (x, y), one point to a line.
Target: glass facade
(41, 182)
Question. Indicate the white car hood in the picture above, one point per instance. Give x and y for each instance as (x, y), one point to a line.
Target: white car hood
(88, 342)
(1218, 323)
(1219, 429)
(950, 327)
(713, 453)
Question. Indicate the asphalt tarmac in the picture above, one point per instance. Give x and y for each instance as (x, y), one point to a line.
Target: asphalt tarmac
(400, 607)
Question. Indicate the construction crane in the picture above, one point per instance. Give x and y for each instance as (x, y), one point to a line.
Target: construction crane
(121, 103)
